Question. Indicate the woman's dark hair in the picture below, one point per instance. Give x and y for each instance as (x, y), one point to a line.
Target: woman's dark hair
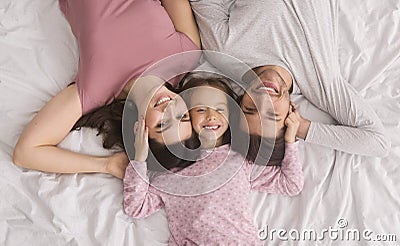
(222, 84)
(108, 120)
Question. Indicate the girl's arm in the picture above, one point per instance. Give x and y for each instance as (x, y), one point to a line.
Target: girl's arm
(286, 179)
(181, 15)
(139, 201)
(36, 148)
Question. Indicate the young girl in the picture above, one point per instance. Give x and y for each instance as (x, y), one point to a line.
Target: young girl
(221, 214)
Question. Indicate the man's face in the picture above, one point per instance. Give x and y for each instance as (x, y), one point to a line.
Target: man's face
(265, 105)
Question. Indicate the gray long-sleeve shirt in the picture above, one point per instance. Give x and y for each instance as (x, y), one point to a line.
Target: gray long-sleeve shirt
(300, 36)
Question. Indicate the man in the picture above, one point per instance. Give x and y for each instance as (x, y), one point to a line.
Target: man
(294, 43)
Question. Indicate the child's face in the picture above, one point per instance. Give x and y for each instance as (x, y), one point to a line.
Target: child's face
(209, 113)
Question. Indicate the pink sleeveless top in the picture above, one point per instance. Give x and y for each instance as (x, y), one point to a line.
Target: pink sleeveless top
(117, 41)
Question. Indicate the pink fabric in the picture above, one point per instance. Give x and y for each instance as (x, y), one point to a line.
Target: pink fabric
(117, 41)
(221, 216)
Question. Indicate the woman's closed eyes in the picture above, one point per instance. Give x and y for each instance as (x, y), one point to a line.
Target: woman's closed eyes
(164, 125)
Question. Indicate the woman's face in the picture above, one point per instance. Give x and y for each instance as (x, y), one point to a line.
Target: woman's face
(265, 105)
(166, 114)
(167, 118)
(209, 113)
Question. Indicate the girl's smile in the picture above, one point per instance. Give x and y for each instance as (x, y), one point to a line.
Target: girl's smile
(209, 115)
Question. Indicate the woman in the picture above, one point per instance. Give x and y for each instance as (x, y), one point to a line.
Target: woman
(292, 48)
(117, 41)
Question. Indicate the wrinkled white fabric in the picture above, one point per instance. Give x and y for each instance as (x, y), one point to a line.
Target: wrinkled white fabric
(38, 57)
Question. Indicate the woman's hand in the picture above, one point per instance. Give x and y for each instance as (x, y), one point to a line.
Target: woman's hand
(116, 164)
(292, 123)
(141, 140)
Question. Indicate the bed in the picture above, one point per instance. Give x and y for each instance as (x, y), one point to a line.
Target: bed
(38, 58)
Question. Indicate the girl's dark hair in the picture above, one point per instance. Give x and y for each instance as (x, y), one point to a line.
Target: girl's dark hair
(108, 121)
(222, 84)
(163, 157)
(259, 149)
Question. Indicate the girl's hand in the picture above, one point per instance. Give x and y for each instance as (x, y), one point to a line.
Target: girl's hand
(304, 124)
(292, 123)
(116, 164)
(141, 140)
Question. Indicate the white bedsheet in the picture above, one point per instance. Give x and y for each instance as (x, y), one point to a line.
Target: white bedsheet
(38, 57)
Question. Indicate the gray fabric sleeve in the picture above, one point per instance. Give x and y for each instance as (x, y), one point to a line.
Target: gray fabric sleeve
(212, 17)
(360, 130)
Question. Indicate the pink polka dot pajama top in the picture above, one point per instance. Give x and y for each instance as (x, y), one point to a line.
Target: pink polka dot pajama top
(221, 216)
